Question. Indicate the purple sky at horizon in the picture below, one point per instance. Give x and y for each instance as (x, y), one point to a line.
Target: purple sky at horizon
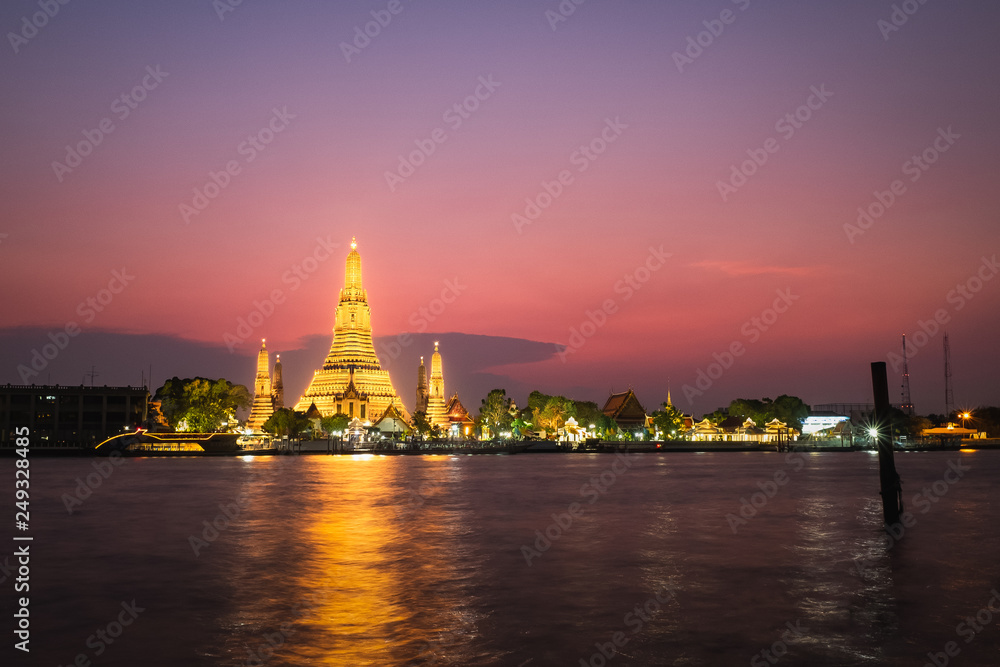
(669, 138)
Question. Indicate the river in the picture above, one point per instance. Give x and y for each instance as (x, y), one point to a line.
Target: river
(527, 560)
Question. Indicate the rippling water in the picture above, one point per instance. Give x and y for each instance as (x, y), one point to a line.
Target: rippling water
(424, 560)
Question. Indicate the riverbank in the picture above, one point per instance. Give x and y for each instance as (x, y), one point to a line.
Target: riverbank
(329, 447)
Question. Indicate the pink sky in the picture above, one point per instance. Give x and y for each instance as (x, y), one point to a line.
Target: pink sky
(323, 176)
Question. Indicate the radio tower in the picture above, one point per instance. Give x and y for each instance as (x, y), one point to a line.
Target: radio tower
(906, 405)
(949, 398)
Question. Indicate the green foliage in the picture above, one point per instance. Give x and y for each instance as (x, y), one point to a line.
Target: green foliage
(204, 405)
(788, 409)
(421, 424)
(554, 413)
(587, 413)
(916, 424)
(986, 419)
(285, 421)
(335, 423)
(495, 412)
(668, 420)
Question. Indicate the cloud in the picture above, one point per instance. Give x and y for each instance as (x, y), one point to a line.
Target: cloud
(124, 358)
(749, 268)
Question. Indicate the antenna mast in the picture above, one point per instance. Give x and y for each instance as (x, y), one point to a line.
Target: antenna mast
(907, 403)
(949, 397)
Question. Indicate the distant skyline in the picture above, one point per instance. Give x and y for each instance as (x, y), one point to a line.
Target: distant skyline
(780, 189)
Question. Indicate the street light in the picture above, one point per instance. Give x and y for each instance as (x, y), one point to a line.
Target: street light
(965, 416)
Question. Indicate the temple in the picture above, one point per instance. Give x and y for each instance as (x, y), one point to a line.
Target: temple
(351, 380)
(437, 410)
(421, 388)
(266, 398)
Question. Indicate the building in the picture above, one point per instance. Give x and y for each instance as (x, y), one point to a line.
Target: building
(626, 410)
(392, 423)
(263, 398)
(351, 380)
(822, 421)
(437, 410)
(278, 386)
(460, 422)
(422, 392)
(738, 429)
(58, 415)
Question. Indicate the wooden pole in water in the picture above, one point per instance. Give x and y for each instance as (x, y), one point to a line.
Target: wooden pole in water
(892, 490)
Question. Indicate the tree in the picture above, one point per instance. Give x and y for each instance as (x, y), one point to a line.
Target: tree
(335, 423)
(986, 419)
(200, 404)
(791, 410)
(421, 424)
(587, 413)
(788, 409)
(285, 421)
(495, 412)
(554, 414)
(668, 420)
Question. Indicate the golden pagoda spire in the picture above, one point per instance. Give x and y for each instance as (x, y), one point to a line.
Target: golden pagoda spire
(436, 409)
(352, 276)
(263, 401)
(278, 385)
(352, 363)
(421, 387)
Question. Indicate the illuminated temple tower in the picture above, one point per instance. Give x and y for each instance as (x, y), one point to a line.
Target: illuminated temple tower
(421, 388)
(263, 401)
(351, 381)
(278, 386)
(437, 411)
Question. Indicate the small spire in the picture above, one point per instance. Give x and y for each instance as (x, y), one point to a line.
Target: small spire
(435, 346)
(354, 243)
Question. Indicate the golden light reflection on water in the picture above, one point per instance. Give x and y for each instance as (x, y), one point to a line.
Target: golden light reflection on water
(382, 566)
